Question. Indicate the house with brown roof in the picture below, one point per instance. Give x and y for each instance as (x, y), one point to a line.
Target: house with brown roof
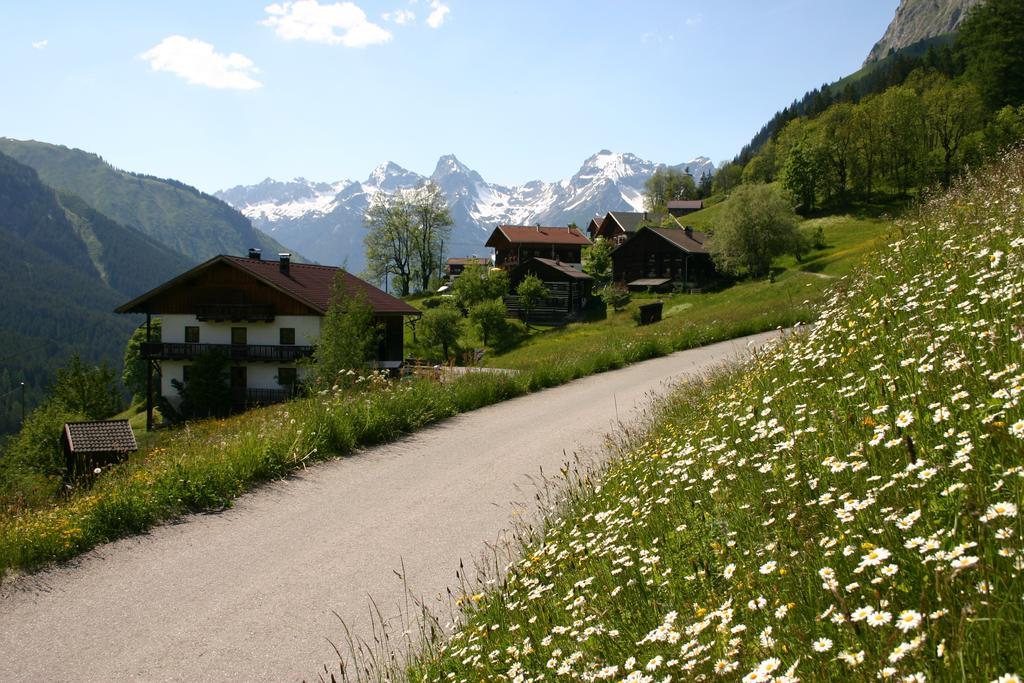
(265, 315)
(681, 207)
(514, 244)
(655, 258)
(569, 289)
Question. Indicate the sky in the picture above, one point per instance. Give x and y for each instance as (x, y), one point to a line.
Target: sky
(223, 93)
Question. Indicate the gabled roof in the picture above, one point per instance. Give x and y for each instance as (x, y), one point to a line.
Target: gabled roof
(559, 266)
(694, 204)
(594, 225)
(631, 221)
(108, 436)
(527, 234)
(306, 283)
(691, 240)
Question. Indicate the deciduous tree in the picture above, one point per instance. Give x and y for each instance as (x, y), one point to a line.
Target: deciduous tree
(756, 225)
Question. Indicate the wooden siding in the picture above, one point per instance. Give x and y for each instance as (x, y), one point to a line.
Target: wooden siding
(646, 255)
(222, 285)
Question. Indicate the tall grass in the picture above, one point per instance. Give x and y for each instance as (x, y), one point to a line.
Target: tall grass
(845, 506)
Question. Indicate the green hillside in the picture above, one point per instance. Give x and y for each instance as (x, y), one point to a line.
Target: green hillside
(65, 267)
(844, 506)
(179, 216)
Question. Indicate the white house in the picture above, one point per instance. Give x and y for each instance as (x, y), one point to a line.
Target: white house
(265, 315)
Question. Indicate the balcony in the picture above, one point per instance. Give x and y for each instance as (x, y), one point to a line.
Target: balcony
(250, 398)
(252, 353)
(235, 313)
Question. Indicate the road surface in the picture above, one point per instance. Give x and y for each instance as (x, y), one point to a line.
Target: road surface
(249, 593)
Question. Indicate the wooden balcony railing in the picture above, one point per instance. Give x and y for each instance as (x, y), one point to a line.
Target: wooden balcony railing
(268, 353)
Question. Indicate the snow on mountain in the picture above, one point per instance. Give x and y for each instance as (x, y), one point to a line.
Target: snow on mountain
(325, 220)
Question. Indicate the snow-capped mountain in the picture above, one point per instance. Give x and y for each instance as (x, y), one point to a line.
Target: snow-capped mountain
(325, 220)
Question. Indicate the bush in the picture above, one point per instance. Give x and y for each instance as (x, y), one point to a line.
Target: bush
(489, 317)
(441, 326)
(348, 334)
(755, 226)
(207, 393)
(615, 295)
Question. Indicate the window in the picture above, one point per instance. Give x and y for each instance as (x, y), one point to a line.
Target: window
(186, 372)
(287, 335)
(286, 377)
(191, 334)
(238, 335)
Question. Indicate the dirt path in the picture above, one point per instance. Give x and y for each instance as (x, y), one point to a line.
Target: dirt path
(248, 594)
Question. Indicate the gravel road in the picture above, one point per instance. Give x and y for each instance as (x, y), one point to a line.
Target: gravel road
(248, 594)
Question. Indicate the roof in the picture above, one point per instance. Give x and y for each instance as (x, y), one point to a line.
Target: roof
(108, 436)
(694, 204)
(305, 282)
(649, 282)
(468, 261)
(631, 221)
(686, 239)
(535, 234)
(559, 266)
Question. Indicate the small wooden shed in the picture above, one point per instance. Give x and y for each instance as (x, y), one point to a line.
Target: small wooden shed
(88, 445)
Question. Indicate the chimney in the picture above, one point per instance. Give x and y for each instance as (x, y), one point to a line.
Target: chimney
(689, 231)
(538, 227)
(256, 254)
(285, 260)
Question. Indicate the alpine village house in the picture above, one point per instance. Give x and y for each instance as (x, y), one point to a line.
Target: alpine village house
(555, 256)
(264, 315)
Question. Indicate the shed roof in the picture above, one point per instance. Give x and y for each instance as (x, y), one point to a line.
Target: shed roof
(559, 266)
(527, 234)
(468, 261)
(649, 282)
(305, 282)
(693, 204)
(106, 436)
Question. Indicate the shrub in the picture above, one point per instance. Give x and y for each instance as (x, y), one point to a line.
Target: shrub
(441, 327)
(489, 317)
(615, 295)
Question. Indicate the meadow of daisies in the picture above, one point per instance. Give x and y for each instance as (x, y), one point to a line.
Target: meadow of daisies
(847, 505)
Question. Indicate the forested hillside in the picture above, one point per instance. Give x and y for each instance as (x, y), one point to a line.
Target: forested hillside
(911, 123)
(65, 267)
(177, 215)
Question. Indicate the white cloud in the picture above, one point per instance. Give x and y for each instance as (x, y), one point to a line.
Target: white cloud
(40, 44)
(340, 23)
(437, 16)
(695, 21)
(400, 16)
(199, 64)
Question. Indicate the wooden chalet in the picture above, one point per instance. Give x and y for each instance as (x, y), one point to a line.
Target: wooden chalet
(593, 226)
(88, 445)
(657, 258)
(569, 289)
(514, 244)
(681, 207)
(618, 226)
(265, 315)
(455, 266)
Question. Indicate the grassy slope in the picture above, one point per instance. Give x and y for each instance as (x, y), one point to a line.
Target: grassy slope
(694, 319)
(845, 506)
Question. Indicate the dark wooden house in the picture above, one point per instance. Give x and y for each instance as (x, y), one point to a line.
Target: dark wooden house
(657, 258)
(264, 315)
(681, 207)
(569, 289)
(514, 244)
(88, 445)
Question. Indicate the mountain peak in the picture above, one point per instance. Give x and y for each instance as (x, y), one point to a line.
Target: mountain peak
(449, 164)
